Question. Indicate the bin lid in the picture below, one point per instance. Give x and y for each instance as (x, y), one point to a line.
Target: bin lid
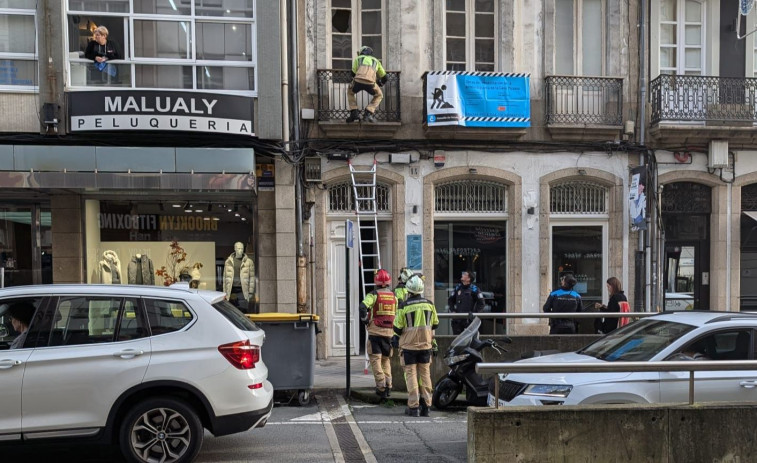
(282, 317)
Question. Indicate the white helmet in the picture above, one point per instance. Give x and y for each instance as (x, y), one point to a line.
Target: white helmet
(415, 284)
(405, 274)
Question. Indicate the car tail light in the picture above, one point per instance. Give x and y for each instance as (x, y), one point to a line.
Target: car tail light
(255, 386)
(241, 354)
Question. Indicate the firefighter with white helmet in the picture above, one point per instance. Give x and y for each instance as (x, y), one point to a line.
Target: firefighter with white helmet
(400, 291)
(415, 323)
(377, 312)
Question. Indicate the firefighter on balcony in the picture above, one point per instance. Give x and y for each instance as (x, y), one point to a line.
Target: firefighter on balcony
(367, 76)
(377, 312)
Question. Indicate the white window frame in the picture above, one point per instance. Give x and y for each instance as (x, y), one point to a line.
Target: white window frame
(356, 25)
(470, 35)
(578, 27)
(567, 221)
(680, 45)
(193, 19)
(23, 56)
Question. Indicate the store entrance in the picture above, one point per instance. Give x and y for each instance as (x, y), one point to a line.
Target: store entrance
(25, 245)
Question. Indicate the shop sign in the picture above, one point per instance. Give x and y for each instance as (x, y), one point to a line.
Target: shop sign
(160, 111)
(140, 226)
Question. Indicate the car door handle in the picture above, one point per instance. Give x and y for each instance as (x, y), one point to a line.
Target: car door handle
(9, 363)
(748, 384)
(128, 353)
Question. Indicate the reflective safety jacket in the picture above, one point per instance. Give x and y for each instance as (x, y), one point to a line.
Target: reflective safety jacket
(383, 308)
(415, 323)
(366, 69)
(401, 292)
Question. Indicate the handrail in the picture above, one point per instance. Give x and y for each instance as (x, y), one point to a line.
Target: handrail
(611, 367)
(488, 315)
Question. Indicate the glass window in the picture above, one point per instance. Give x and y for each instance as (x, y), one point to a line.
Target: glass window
(579, 37)
(355, 23)
(636, 342)
(89, 320)
(235, 316)
(24, 310)
(681, 37)
(131, 325)
(470, 35)
(578, 250)
(722, 345)
(159, 31)
(479, 247)
(16, 240)
(227, 42)
(161, 39)
(166, 316)
(18, 46)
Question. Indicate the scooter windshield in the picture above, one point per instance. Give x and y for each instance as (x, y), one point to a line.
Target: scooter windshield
(463, 339)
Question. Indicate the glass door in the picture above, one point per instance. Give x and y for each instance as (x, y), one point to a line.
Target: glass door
(25, 245)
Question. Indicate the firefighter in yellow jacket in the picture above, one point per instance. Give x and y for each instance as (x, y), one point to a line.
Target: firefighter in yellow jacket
(400, 291)
(415, 323)
(367, 76)
(377, 312)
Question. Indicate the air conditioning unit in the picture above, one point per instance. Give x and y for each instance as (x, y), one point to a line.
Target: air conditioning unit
(718, 156)
(313, 170)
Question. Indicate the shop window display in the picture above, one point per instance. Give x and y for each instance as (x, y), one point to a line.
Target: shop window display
(160, 243)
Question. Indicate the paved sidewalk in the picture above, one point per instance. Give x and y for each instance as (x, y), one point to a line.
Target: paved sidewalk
(331, 373)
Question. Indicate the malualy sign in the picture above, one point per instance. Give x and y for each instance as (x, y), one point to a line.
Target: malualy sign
(159, 110)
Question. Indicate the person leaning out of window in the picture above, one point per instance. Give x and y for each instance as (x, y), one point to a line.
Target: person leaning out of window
(617, 298)
(101, 48)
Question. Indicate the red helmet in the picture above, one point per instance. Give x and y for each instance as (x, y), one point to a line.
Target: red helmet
(382, 277)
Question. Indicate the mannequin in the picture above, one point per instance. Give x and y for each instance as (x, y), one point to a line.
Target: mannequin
(239, 278)
(110, 268)
(141, 271)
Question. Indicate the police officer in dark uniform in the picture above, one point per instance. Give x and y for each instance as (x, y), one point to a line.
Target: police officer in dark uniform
(563, 300)
(465, 298)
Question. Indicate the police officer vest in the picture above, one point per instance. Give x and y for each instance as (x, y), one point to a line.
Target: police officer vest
(384, 309)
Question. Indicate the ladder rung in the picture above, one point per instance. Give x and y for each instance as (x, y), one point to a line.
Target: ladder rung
(370, 255)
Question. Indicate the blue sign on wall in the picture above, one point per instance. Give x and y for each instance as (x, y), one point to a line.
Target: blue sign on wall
(478, 99)
(414, 252)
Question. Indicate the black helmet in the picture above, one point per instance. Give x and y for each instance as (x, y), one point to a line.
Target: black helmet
(365, 50)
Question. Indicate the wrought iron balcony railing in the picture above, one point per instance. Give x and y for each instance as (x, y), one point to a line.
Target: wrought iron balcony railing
(703, 99)
(584, 100)
(332, 96)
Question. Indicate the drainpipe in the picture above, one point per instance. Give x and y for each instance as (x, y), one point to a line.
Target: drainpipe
(295, 147)
(652, 216)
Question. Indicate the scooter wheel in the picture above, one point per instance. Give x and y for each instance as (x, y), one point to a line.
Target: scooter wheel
(445, 393)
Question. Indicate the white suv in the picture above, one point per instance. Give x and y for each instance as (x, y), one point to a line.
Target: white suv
(146, 367)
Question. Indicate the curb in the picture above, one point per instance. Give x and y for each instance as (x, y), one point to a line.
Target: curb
(368, 395)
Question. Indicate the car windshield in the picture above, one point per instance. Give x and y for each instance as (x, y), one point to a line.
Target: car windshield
(639, 341)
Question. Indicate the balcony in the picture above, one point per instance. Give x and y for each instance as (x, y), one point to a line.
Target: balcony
(332, 107)
(584, 108)
(696, 109)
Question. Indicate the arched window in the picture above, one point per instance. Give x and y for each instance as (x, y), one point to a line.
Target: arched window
(578, 198)
(342, 198)
(471, 197)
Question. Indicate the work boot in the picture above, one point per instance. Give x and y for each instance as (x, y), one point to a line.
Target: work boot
(388, 392)
(368, 117)
(381, 393)
(424, 408)
(412, 411)
(354, 116)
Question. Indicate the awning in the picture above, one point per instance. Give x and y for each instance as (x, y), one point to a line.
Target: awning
(751, 214)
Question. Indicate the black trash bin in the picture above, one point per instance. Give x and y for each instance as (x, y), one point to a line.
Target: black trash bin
(289, 351)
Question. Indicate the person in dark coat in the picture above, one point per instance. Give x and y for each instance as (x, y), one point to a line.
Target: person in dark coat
(563, 300)
(101, 50)
(465, 298)
(606, 325)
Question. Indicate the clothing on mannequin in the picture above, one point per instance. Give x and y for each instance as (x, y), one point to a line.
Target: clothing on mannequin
(141, 271)
(110, 268)
(239, 278)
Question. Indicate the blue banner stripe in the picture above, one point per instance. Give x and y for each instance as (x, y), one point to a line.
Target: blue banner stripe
(479, 73)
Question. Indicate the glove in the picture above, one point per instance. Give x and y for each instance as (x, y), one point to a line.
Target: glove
(381, 81)
(364, 316)
(434, 348)
(396, 341)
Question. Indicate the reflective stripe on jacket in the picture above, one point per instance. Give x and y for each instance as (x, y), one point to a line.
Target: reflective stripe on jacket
(415, 322)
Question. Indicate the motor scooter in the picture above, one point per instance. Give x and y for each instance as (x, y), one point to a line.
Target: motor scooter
(463, 355)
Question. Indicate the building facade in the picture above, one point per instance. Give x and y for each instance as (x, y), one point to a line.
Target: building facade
(519, 202)
(133, 160)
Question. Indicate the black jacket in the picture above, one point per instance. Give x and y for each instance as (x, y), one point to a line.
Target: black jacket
(109, 50)
(605, 325)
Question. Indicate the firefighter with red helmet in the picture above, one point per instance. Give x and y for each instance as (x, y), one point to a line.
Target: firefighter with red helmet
(377, 312)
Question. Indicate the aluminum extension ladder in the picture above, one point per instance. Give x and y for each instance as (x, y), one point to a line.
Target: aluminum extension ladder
(364, 193)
